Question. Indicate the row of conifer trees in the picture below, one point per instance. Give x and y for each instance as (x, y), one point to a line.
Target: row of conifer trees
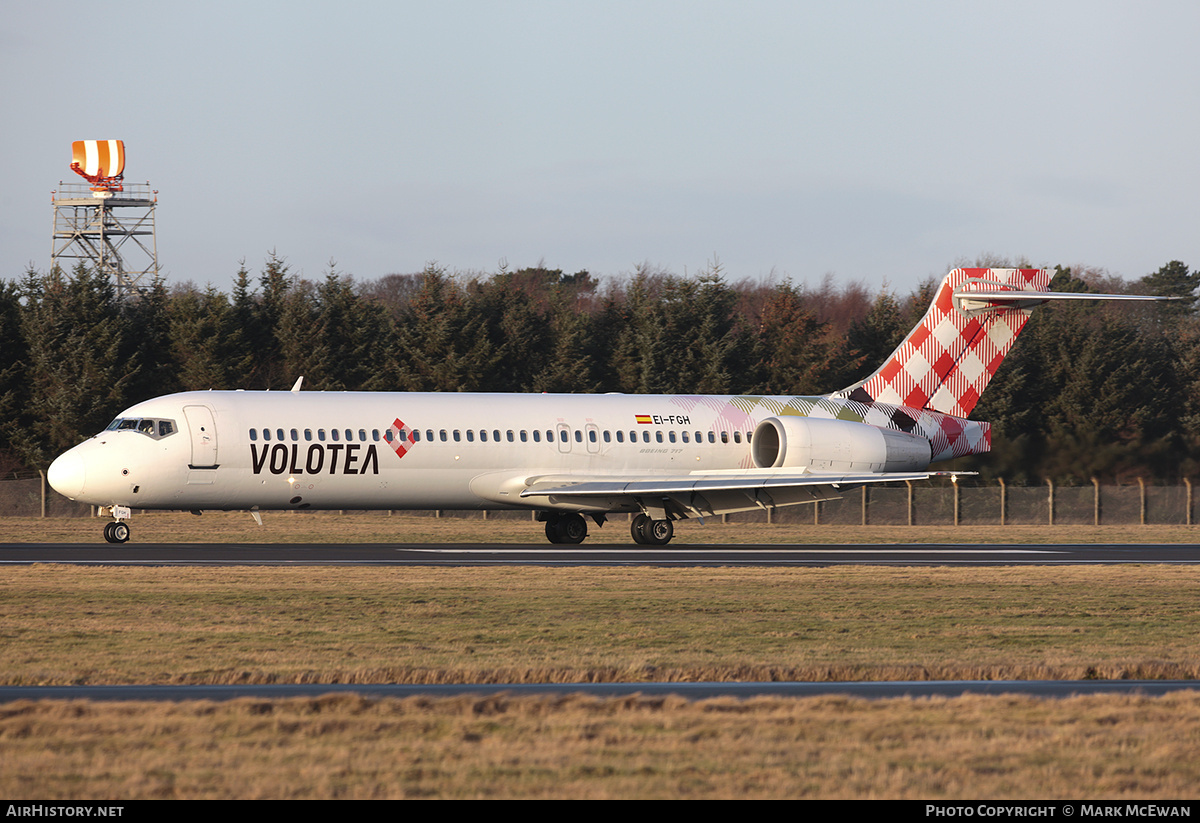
(1089, 391)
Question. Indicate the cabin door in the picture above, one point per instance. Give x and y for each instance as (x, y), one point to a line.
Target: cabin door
(203, 429)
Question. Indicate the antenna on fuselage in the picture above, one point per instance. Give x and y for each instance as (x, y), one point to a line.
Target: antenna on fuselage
(296, 385)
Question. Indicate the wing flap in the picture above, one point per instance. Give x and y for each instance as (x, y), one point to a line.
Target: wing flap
(701, 495)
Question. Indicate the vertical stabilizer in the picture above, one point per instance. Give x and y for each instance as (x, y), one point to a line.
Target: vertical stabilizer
(946, 362)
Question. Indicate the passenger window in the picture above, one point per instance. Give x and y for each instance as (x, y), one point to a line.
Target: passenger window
(645, 437)
(712, 438)
(684, 435)
(280, 433)
(308, 435)
(457, 436)
(266, 434)
(482, 436)
(607, 436)
(416, 436)
(737, 437)
(591, 435)
(321, 435)
(496, 435)
(253, 435)
(562, 435)
(333, 435)
(537, 436)
(578, 436)
(525, 436)
(671, 436)
(470, 435)
(362, 435)
(295, 435)
(388, 436)
(375, 435)
(509, 434)
(620, 436)
(724, 437)
(442, 435)
(349, 435)
(658, 436)
(429, 435)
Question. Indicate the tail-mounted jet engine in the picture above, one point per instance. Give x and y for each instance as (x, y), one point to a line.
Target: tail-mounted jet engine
(836, 445)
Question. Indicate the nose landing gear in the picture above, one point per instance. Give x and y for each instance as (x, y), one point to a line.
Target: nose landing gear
(118, 531)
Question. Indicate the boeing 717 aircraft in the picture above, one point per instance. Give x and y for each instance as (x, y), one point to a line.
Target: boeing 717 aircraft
(570, 457)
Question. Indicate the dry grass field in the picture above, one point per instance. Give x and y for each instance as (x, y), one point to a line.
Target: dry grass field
(61, 624)
(971, 749)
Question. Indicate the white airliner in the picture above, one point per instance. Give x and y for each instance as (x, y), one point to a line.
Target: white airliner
(661, 457)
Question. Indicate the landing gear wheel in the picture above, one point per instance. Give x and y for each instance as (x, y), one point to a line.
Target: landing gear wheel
(566, 528)
(117, 532)
(649, 532)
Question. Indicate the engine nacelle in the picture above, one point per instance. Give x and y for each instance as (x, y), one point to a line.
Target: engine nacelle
(836, 445)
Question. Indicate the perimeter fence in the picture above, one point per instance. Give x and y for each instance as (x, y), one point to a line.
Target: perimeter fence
(929, 503)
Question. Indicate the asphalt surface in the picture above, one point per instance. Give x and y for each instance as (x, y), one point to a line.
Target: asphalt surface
(445, 554)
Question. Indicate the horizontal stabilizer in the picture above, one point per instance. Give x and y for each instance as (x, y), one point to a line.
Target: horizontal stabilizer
(972, 303)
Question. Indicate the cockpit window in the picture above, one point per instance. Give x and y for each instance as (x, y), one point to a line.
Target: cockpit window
(149, 426)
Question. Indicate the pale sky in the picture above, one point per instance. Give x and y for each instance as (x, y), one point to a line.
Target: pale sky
(879, 142)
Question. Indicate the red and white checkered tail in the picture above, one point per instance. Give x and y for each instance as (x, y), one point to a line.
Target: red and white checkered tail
(945, 363)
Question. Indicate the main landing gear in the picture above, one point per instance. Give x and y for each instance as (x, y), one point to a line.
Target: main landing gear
(570, 527)
(649, 532)
(566, 528)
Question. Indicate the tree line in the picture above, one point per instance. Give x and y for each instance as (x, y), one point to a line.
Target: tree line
(1102, 391)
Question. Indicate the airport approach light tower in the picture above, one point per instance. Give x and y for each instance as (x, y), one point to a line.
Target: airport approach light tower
(109, 223)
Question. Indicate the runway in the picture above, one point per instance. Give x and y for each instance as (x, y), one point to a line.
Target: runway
(445, 554)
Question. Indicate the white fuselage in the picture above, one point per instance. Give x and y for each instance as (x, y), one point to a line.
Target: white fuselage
(354, 450)
(334, 450)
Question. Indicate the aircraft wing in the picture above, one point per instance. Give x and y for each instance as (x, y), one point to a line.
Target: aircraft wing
(706, 493)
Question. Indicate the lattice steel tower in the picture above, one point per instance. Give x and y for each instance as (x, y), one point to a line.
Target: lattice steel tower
(109, 224)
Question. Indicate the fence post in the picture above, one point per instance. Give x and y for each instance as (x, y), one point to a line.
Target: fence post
(1188, 515)
(1050, 499)
(42, 486)
(1003, 502)
(910, 501)
(1095, 502)
(864, 505)
(1142, 500)
(954, 483)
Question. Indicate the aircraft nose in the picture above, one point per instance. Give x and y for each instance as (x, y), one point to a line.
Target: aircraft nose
(66, 474)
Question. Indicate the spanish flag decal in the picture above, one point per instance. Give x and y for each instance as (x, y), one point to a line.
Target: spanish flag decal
(643, 418)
